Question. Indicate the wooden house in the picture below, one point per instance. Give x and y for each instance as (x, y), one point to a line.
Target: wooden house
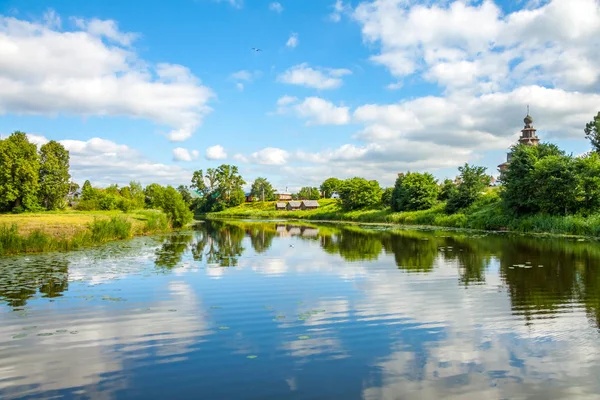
(280, 206)
(249, 197)
(309, 205)
(283, 196)
(293, 205)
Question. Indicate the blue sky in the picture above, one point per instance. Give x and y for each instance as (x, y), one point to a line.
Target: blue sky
(368, 88)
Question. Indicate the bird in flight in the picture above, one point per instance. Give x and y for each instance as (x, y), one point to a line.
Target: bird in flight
(256, 49)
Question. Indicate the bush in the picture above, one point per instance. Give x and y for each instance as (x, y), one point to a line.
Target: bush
(103, 230)
(414, 191)
(473, 181)
(357, 193)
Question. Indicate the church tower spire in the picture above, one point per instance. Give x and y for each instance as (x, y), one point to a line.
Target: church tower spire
(528, 138)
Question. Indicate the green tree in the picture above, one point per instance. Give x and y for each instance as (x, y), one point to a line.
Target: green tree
(414, 191)
(473, 182)
(185, 194)
(358, 193)
(154, 196)
(230, 184)
(556, 178)
(54, 175)
(592, 132)
(386, 197)
(113, 190)
(137, 194)
(198, 183)
(519, 187)
(175, 207)
(73, 187)
(446, 189)
(329, 186)
(19, 173)
(262, 189)
(588, 172)
(309, 193)
(87, 191)
(125, 192)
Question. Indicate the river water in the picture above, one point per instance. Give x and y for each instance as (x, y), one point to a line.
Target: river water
(275, 310)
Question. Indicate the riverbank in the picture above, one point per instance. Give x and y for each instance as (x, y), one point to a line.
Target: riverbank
(486, 214)
(70, 230)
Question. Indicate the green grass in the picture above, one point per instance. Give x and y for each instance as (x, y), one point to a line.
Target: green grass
(486, 214)
(72, 231)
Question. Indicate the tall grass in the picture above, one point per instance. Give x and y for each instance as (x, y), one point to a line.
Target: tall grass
(98, 231)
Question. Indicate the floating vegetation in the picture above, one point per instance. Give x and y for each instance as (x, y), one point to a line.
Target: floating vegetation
(110, 298)
(74, 332)
(28, 328)
(172, 310)
(303, 337)
(61, 331)
(45, 334)
(280, 317)
(223, 328)
(252, 357)
(19, 336)
(215, 307)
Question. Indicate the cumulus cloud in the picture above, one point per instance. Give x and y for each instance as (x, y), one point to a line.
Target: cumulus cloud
(267, 156)
(276, 6)
(338, 8)
(216, 152)
(244, 76)
(317, 78)
(105, 162)
(293, 40)
(92, 70)
(181, 154)
(315, 110)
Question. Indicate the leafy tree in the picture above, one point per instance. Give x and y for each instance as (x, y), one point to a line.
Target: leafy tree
(386, 197)
(473, 181)
(185, 194)
(175, 207)
(308, 193)
(212, 178)
(588, 171)
(137, 194)
(414, 191)
(87, 191)
(356, 193)
(446, 189)
(262, 189)
(519, 187)
(125, 192)
(556, 178)
(230, 184)
(73, 187)
(54, 175)
(198, 182)
(592, 132)
(19, 173)
(113, 190)
(154, 196)
(329, 186)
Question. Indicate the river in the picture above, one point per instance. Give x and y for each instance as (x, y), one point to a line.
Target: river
(278, 310)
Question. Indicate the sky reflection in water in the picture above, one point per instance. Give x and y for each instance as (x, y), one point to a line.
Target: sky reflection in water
(276, 310)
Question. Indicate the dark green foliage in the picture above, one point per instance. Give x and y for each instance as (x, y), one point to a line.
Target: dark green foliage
(329, 186)
(592, 132)
(154, 196)
(356, 193)
(220, 188)
(519, 185)
(588, 170)
(175, 207)
(447, 188)
(19, 173)
(414, 191)
(262, 190)
(87, 191)
(473, 181)
(185, 194)
(556, 178)
(308, 193)
(386, 197)
(54, 175)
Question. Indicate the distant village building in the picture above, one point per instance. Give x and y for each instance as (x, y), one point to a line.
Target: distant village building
(309, 205)
(284, 196)
(293, 205)
(528, 138)
(335, 195)
(249, 197)
(280, 206)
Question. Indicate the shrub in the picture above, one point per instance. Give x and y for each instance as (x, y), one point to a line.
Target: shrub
(414, 191)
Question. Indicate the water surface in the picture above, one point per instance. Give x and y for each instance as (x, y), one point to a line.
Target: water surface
(278, 310)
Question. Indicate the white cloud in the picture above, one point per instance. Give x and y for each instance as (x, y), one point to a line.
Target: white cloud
(92, 71)
(216, 152)
(319, 78)
(276, 6)
(105, 162)
(240, 86)
(316, 110)
(338, 8)
(293, 40)
(233, 3)
(268, 156)
(395, 86)
(181, 154)
(242, 75)
(52, 20)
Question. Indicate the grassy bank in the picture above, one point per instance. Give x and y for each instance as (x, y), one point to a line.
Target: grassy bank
(63, 231)
(487, 214)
